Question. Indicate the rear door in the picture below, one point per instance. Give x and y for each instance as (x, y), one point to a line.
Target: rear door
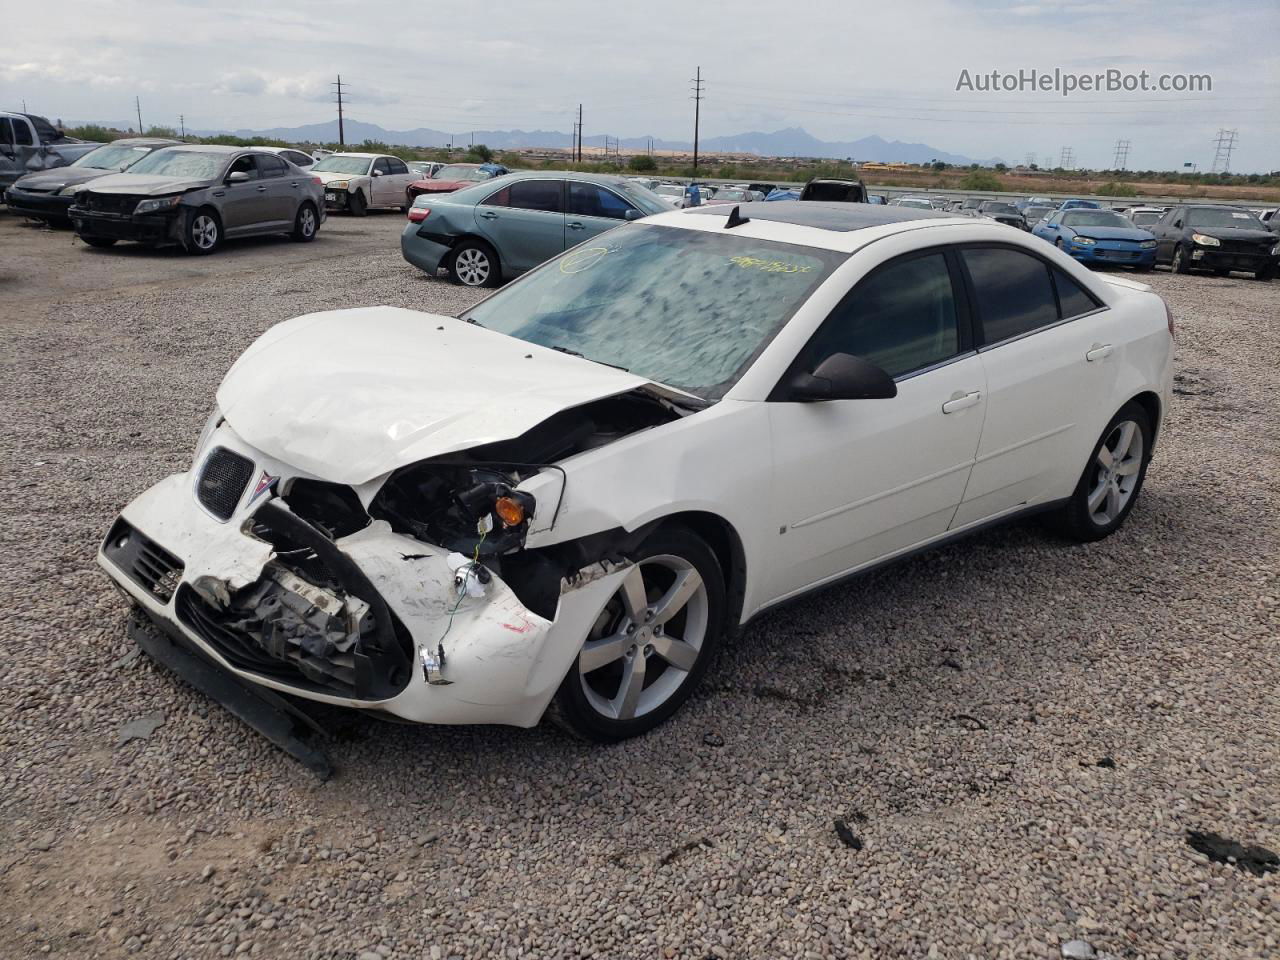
(524, 221)
(591, 209)
(1047, 349)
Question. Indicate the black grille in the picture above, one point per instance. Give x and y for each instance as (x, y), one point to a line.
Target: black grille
(1245, 246)
(109, 202)
(222, 481)
(147, 563)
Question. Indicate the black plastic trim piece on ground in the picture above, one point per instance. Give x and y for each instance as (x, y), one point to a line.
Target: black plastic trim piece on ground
(263, 710)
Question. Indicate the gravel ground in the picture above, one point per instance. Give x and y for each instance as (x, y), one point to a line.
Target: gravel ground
(1016, 732)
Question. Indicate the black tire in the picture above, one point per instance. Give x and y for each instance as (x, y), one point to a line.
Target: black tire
(1144, 268)
(356, 205)
(1180, 262)
(202, 234)
(305, 223)
(580, 712)
(1077, 519)
(1266, 273)
(100, 242)
(473, 263)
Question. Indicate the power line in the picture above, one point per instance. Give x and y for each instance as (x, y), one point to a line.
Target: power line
(697, 111)
(1122, 155)
(1225, 143)
(342, 133)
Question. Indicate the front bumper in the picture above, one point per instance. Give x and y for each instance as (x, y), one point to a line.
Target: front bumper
(38, 206)
(427, 254)
(150, 228)
(502, 662)
(1116, 252)
(336, 199)
(1214, 258)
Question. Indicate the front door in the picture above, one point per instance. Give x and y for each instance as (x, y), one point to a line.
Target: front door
(525, 222)
(243, 205)
(861, 480)
(591, 209)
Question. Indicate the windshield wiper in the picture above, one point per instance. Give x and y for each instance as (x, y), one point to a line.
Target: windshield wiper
(575, 353)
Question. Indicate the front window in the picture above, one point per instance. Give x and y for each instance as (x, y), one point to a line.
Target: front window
(112, 157)
(733, 194)
(351, 166)
(1212, 217)
(191, 164)
(996, 209)
(1144, 219)
(682, 307)
(458, 171)
(1095, 218)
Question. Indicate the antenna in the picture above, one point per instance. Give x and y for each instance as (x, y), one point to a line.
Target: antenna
(1225, 143)
(697, 109)
(1122, 155)
(342, 133)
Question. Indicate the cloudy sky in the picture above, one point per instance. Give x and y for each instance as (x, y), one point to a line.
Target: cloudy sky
(841, 69)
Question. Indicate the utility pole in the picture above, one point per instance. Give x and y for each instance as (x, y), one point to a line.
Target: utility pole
(1068, 158)
(182, 125)
(1122, 155)
(1225, 143)
(342, 133)
(697, 111)
(138, 106)
(577, 138)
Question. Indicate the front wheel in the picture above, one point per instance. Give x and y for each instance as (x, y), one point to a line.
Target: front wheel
(204, 232)
(474, 264)
(305, 224)
(100, 242)
(1180, 263)
(356, 204)
(650, 645)
(1266, 273)
(1112, 479)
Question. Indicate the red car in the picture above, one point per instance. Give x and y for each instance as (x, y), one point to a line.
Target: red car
(456, 176)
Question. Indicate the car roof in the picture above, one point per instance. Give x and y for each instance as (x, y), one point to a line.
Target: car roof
(834, 216)
(208, 148)
(603, 178)
(144, 142)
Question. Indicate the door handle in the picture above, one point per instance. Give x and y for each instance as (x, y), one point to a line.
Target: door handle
(574, 225)
(262, 189)
(1099, 351)
(488, 216)
(960, 401)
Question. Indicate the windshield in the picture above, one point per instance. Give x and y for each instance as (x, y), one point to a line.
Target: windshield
(112, 157)
(918, 204)
(1218, 217)
(354, 166)
(732, 194)
(1036, 213)
(999, 208)
(681, 307)
(1094, 218)
(1142, 219)
(459, 171)
(191, 164)
(668, 190)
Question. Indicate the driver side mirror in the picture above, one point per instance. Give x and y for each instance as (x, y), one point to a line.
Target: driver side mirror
(237, 176)
(377, 173)
(632, 214)
(842, 376)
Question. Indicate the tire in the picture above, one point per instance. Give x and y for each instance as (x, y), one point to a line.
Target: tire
(1179, 263)
(1221, 273)
(305, 223)
(1058, 243)
(1265, 274)
(356, 204)
(474, 263)
(612, 691)
(1109, 486)
(203, 232)
(1144, 268)
(100, 242)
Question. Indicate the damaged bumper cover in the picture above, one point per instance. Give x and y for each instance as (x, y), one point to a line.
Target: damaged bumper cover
(395, 624)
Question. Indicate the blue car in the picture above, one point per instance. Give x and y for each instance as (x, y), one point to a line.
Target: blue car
(1079, 205)
(1099, 236)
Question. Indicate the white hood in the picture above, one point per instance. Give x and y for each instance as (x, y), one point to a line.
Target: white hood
(349, 395)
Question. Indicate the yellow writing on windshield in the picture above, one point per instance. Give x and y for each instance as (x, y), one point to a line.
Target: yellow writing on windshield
(769, 266)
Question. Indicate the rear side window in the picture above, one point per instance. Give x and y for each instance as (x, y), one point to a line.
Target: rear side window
(1013, 292)
(1072, 298)
(901, 318)
(272, 166)
(541, 195)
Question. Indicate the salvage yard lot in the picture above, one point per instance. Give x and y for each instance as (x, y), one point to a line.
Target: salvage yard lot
(1019, 731)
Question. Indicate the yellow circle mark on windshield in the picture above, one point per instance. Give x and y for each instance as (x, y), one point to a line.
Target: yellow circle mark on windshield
(583, 259)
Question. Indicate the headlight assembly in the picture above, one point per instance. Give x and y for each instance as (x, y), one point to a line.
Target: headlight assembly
(1084, 241)
(1147, 244)
(337, 184)
(158, 204)
(1204, 241)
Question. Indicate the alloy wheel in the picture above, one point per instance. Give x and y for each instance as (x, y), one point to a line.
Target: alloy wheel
(204, 232)
(472, 266)
(1116, 470)
(646, 640)
(308, 222)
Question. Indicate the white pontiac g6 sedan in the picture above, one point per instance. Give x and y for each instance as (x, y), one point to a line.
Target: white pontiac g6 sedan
(558, 503)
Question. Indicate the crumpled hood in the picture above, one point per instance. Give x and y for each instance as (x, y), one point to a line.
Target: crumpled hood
(328, 176)
(47, 181)
(349, 395)
(146, 184)
(1137, 234)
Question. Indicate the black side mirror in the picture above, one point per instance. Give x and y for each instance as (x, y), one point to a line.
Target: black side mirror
(842, 376)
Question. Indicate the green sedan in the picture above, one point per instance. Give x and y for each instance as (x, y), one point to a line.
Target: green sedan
(498, 229)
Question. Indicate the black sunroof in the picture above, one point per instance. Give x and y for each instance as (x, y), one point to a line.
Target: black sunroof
(842, 217)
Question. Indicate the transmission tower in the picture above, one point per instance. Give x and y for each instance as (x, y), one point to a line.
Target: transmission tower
(1067, 159)
(697, 109)
(342, 134)
(1225, 143)
(1122, 155)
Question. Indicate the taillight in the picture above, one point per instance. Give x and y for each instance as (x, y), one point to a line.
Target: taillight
(418, 214)
(317, 181)
(1168, 315)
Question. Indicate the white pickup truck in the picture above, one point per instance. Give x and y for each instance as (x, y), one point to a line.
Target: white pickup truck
(29, 143)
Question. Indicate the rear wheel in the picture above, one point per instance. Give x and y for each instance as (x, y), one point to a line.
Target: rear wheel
(473, 263)
(305, 223)
(650, 645)
(204, 232)
(99, 241)
(1112, 479)
(356, 205)
(1180, 263)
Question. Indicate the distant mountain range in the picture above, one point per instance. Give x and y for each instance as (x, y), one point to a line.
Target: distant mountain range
(792, 141)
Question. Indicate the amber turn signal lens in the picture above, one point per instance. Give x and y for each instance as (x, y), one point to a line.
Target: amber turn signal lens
(510, 511)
